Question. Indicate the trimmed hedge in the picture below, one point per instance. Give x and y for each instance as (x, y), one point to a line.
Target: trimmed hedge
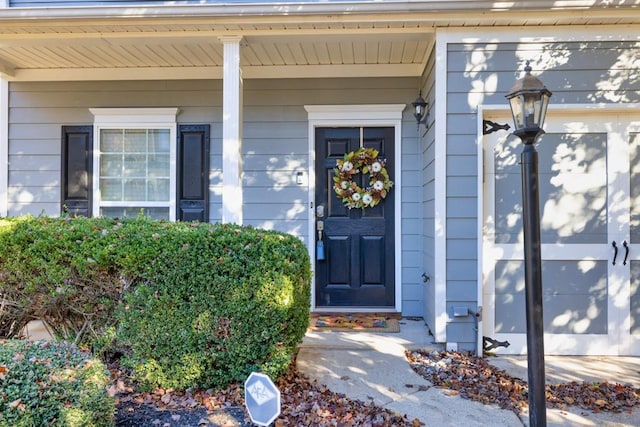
(52, 384)
(189, 304)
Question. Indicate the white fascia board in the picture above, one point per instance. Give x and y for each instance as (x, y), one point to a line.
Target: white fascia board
(300, 8)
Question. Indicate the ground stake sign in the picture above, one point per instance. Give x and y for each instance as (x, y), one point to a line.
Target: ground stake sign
(262, 398)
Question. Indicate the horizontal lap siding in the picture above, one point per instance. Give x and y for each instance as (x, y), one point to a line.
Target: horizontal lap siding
(275, 146)
(593, 72)
(38, 111)
(427, 197)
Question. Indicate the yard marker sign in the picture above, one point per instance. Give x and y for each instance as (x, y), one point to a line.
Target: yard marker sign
(262, 398)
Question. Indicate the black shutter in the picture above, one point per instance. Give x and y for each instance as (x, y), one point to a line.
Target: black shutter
(77, 162)
(193, 173)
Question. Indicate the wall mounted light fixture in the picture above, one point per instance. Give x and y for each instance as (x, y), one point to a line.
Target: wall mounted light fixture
(420, 107)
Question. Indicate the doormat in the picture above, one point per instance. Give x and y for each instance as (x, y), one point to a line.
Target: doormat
(354, 323)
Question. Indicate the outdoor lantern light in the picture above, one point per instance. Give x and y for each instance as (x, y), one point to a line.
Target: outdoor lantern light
(420, 109)
(529, 99)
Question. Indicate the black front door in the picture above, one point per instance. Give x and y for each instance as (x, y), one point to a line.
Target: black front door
(357, 269)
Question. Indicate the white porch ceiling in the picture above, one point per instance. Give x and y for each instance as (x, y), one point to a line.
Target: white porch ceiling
(391, 38)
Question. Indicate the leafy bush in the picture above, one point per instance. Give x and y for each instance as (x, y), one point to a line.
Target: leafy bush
(64, 271)
(52, 384)
(190, 304)
(228, 301)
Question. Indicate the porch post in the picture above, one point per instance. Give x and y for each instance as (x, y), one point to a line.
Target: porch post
(231, 131)
(4, 146)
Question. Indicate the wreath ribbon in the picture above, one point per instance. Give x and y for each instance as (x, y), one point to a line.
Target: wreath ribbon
(365, 161)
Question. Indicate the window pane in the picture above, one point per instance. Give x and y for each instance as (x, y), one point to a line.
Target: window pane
(111, 165)
(135, 140)
(135, 165)
(111, 189)
(111, 140)
(158, 166)
(159, 141)
(158, 189)
(134, 190)
(133, 211)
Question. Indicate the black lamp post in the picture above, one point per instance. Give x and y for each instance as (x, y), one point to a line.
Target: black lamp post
(529, 99)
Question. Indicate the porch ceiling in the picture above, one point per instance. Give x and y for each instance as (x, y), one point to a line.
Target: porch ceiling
(328, 39)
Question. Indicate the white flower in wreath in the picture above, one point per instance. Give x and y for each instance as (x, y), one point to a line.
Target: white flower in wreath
(356, 197)
(376, 167)
(344, 185)
(378, 185)
(347, 167)
(366, 199)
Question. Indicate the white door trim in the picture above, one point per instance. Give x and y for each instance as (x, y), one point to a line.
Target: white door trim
(353, 116)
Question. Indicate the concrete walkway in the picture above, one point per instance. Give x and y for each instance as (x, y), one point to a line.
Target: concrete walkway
(371, 367)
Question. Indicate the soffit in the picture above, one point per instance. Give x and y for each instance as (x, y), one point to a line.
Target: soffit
(65, 45)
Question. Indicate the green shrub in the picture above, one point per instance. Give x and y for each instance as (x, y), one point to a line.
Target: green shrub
(61, 270)
(190, 304)
(52, 384)
(228, 301)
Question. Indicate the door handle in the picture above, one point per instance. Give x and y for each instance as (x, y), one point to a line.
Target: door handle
(626, 253)
(615, 252)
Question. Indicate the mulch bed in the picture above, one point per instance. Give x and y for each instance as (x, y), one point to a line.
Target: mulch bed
(307, 403)
(303, 403)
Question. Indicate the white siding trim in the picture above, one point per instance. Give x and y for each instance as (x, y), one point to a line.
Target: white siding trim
(439, 330)
(358, 115)
(4, 146)
(232, 131)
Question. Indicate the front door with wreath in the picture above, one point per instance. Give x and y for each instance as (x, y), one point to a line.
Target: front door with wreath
(355, 214)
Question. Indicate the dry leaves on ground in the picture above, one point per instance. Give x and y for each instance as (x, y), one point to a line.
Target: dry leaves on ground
(476, 379)
(303, 403)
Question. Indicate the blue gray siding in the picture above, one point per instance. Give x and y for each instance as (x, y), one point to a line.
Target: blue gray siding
(428, 207)
(576, 72)
(275, 146)
(38, 110)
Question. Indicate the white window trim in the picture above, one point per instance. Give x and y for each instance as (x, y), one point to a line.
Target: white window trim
(135, 118)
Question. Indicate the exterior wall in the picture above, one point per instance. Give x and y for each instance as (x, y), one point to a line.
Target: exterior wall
(428, 195)
(477, 74)
(275, 146)
(38, 110)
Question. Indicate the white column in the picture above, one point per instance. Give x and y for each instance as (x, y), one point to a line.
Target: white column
(231, 131)
(4, 146)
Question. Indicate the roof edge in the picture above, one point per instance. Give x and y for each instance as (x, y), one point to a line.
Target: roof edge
(303, 8)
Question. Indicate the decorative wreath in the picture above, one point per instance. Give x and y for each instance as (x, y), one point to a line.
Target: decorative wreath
(365, 161)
